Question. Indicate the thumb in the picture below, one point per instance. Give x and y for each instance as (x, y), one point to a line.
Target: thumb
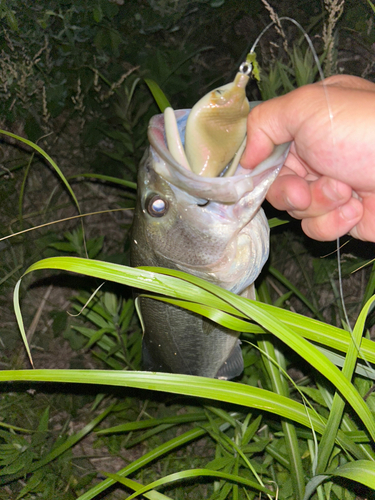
(275, 122)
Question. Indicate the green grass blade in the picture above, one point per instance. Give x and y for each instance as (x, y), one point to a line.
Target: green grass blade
(107, 178)
(279, 276)
(311, 329)
(220, 317)
(275, 366)
(17, 311)
(362, 471)
(147, 458)
(178, 476)
(370, 287)
(154, 422)
(219, 390)
(371, 5)
(307, 351)
(328, 439)
(157, 94)
(274, 222)
(161, 281)
(315, 358)
(49, 159)
(290, 436)
(313, 484)
(134, 277)
(152, 495)
(202, 387)
(322, 333)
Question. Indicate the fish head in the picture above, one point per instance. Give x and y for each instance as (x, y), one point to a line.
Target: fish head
(213, 228)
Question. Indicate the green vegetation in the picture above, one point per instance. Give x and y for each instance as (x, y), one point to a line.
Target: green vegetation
(86, 423)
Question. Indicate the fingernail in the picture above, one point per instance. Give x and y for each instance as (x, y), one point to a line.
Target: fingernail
(349, 212)
(288, 203)
(331, 190)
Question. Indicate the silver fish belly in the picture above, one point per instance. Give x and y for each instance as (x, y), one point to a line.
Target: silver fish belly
(212, 228)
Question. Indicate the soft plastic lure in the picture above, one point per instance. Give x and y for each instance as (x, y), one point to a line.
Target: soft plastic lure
(215, 129)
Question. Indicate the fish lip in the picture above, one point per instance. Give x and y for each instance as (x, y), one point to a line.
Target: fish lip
(220, 189)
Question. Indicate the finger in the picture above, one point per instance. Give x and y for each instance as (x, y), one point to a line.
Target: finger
(349, 82)
(264, 130)
(332, 225)
(289, 192)
(278, 120)
(365, 229)
(326, 195)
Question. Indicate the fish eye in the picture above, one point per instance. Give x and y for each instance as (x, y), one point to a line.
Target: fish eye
(156, 206)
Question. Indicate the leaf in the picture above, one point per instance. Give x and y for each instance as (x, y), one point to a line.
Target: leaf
(313, 484)
(153, 422)
(371, 5)
(49, 160)
(275, 221)
(179, 284)
(107, 178)
(97, 14)
(177, 476)
(152, 495)
(362, 471)
(158, 94)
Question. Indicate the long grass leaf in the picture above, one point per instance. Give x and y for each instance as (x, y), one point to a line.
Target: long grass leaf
(178, 476)
(290, 436)
(362, 471)
(312, 329)
(147, 458)
(137, 278)
(106, 178)
(161, 280)
(129, 483)
(154, 422)
(328, 439)
(17, 311)
(219, 390)
(296, 291)
(49, 159)
(157, 94)
(307, 351)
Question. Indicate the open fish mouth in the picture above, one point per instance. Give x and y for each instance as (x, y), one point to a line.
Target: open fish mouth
(220, 189)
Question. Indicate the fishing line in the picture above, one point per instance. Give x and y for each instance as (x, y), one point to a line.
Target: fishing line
(321, 74)
(251, 57)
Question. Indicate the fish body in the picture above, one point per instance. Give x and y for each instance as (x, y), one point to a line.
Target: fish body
(212, 228)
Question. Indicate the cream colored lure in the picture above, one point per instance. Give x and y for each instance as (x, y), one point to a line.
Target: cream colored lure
(216, 127)
(215, 130)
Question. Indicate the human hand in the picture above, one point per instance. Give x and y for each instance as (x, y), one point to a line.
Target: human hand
(328, 179)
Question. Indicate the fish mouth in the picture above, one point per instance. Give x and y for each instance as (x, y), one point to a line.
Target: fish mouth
(219, 189)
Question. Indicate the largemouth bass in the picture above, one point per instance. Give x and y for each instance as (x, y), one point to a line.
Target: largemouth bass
(213, 228)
